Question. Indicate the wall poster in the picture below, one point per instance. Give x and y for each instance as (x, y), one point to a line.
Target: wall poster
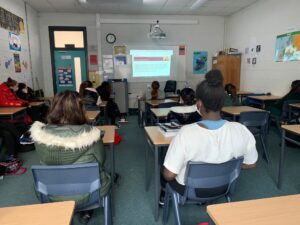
(200, 62)
(17, 63)
(65, 76)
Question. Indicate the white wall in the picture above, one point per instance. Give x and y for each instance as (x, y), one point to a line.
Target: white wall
(262, 22)
(18, 8)
(207, 35)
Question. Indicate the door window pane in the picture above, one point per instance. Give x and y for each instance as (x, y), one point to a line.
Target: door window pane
(62, 38)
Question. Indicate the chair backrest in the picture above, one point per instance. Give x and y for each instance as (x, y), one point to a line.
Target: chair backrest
(68, 180)
(170, 86)
(255, 119)
(168, 104)
(207, 182)
(184, 118)
(285, 107)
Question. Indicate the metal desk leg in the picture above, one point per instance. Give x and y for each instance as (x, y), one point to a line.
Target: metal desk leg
(112, 155)
(156, 183)
(146, 168)
(281, 159)
(234, 118)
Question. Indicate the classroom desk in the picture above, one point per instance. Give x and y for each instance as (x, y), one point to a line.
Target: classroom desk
(243, 94)
(109, 139)
(235, 111)
(159, 113)
(174, 97)
(11, 112)
(58, 213)
(294, 107)
(154, 104)
(36, 103)
(156, 141)
(295, 129)
(265, 98)
(92, 115)
(267, 211)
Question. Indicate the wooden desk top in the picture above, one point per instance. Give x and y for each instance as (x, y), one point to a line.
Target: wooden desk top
(59, 213)
(36, 103)
(265, 97)
(160, 112)
(103, 104)
(91, 115)
(156, 136)
(109, 135)
(8, 111)
(244, 92)
(295, 105)
(268, 211)
(157, 102)
(292, 128)
(236, 110)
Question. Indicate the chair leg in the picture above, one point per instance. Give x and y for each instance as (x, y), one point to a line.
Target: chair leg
(176, 208)
(265, 153)
(166, 207)
(107, 211)
(228, 199)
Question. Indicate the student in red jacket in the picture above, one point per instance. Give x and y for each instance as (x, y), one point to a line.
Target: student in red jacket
(8, 96)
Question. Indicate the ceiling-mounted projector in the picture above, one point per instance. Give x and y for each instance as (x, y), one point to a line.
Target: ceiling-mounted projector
(156, 32)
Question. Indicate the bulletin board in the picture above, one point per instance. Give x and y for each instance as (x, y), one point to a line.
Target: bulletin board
(14, 57)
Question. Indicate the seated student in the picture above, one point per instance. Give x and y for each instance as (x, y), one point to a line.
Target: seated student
(231, 97)
(8, 96)
(187, 113)
(68, 139)
(104, 90)
(294, 94)
(211, 140)
(155, 93)
(25, 92)
(89, 95)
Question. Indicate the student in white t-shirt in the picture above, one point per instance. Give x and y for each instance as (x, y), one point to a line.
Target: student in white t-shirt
(211, 140)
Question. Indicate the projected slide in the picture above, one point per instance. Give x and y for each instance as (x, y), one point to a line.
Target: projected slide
(151, 63)
(288, 47)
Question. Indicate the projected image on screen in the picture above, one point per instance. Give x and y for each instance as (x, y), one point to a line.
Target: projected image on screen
(151, 63)
(288, 47)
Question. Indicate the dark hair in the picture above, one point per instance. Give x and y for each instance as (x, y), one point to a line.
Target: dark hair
(228, 88)
(67, 108)
(11, 82)
(295, 86)
(188, 96)
(155, 85)
(21, 86)
(83, 86)
(211, 91)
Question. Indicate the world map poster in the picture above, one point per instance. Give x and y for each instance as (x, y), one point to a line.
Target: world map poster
(288, 47)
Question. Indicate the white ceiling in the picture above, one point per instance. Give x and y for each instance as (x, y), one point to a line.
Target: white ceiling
(156, 7)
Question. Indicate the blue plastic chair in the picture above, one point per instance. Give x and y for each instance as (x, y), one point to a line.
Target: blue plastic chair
(202, 177)
(258, 124)
(72, 180)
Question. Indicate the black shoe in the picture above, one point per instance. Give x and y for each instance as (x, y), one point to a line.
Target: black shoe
(162, 198)
(85, 216)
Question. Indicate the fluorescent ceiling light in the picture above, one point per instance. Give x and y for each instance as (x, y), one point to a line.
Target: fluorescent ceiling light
(197, 4)
(82, 1)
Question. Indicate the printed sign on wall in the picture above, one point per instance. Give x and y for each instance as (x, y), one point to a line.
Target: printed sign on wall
(65, 77)
(200, 62)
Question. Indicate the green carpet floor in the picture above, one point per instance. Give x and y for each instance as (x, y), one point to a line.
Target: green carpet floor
(133, 205)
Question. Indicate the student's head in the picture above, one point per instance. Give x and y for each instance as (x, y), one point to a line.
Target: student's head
(210, 93)
(83, 86)
(106, 86)
(22, 87)
(188, 96)
(66, 109)
(12, 84)
(155, 85)
(295, 86)
(230, 89)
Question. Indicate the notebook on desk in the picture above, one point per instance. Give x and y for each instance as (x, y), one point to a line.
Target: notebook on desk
(169, 129)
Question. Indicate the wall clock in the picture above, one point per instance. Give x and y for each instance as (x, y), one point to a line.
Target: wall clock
(111, 38)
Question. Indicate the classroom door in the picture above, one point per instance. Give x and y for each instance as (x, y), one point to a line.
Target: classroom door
(70, 69)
